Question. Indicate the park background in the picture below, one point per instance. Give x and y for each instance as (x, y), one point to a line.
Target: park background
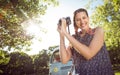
(28, 31)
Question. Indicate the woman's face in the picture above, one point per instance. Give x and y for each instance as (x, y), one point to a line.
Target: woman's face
(82, 20)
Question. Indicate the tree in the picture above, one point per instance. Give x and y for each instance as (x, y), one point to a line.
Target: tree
(12, 14)
(108, 16)
(4, 59)
(19, 64)
(41, 63)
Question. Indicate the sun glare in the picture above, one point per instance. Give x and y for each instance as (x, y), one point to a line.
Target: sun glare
(32, 29)
(35, 29)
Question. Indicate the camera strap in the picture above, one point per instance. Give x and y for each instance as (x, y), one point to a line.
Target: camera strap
(68, 29)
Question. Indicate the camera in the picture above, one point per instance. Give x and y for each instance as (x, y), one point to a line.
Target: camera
(68, 21)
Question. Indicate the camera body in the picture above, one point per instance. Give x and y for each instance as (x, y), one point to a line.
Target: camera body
(68, 21)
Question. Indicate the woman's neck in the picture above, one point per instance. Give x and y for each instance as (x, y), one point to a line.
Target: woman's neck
(83, 32)
(87, 30)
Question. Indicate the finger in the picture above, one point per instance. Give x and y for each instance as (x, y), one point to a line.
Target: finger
(63, 21)
(59, 27)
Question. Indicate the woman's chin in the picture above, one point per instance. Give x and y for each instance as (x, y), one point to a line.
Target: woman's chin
(83, 28)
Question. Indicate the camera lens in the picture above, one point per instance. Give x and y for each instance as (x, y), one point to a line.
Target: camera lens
(59, 22)
(68, 21)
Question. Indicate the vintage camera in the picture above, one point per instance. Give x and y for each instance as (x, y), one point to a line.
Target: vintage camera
(68, 21)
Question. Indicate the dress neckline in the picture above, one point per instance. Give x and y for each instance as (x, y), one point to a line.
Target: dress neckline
(90, 32)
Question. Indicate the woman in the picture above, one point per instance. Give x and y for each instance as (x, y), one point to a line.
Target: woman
(87, 47)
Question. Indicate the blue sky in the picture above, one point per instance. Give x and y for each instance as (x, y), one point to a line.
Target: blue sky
(50, 20)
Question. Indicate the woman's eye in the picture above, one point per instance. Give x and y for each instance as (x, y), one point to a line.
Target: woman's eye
(84, 17)
(78, 20)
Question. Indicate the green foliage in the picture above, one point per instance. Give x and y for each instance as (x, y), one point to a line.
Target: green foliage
(13, 36)
(12, 14)
(33, 7)
(115, 58)
(41, 63)
(22, 64)
(4, 57)
(117, 73)
(19, 64)
(108, 16)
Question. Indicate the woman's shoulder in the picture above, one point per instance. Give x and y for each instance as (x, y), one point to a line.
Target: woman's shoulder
(99, 30)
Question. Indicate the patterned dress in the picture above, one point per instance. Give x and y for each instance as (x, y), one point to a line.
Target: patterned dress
(100, 64)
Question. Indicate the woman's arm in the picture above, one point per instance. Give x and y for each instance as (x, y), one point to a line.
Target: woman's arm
(65, 53)
(88, 51)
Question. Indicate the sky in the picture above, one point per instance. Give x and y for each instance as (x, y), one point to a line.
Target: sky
(49, 23)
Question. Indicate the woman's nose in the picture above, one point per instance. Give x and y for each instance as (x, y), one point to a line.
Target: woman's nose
(81, 21)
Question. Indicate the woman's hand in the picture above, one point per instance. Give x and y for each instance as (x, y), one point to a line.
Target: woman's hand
(62, 28)
(59, 30)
